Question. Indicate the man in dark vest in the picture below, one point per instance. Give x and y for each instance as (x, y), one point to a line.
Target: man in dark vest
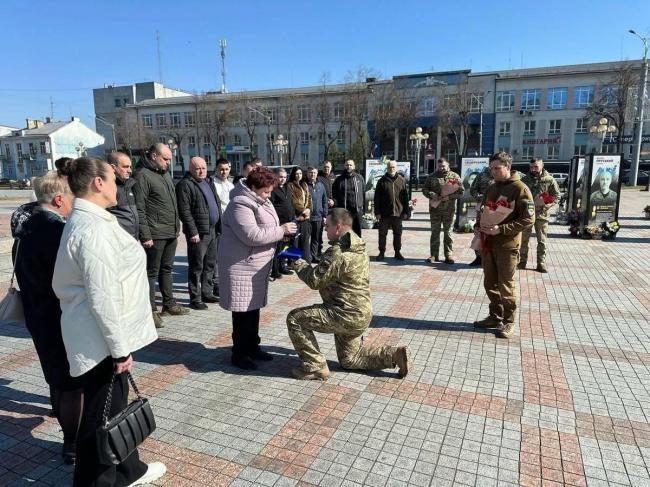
(126, 210)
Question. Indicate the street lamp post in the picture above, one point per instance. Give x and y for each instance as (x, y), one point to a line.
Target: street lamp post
(638, 133)
(81, 149)
(280, 144)
(480, 129)
(267, 120)
(416, 141)
(171, 143)
(602, 128)
(112, 129)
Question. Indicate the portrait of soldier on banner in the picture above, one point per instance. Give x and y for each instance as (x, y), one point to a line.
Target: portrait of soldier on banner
(603, 190)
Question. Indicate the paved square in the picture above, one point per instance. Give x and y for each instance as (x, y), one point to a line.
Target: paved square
(565, 401)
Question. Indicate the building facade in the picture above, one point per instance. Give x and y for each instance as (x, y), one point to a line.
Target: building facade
(31, 151)
(542, 112)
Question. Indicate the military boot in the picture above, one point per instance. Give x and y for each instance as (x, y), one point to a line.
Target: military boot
(401, 361)
(522, 262)
(505, 330)
(488, 322)
(301, 373)
(157, 319)
(541, 267)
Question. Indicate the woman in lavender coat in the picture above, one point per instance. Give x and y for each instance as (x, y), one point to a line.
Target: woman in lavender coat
(250, 231)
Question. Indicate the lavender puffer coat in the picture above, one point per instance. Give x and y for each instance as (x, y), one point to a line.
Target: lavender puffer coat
(250, 231)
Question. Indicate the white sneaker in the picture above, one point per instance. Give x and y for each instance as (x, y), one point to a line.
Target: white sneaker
(154, 471)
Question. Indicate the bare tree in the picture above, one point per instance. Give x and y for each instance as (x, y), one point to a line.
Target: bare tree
(326, 121)
(215, 115)
(453, 112)
(356, 111)
(130, 133)
(614, 99)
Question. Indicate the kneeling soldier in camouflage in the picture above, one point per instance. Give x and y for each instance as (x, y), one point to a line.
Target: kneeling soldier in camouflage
(341, 277)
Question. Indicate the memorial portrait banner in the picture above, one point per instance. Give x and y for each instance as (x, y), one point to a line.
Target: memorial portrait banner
(470, 168)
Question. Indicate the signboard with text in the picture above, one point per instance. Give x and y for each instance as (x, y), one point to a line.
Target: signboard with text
(376, 168)
(574, 191)
(601, 189)
(467, 206)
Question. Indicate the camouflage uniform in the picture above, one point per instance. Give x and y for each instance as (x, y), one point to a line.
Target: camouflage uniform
(443, 215)
(538, 184)
(341, 277)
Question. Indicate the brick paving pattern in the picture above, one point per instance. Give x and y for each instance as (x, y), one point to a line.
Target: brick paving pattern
(566, 401)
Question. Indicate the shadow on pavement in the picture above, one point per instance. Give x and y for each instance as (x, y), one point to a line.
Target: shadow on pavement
(412, 324)
(13, 330)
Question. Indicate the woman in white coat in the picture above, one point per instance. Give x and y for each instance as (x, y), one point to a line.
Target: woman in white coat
(100, 279)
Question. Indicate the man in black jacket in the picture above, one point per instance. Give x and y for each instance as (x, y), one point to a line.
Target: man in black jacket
(327, 177)
(348, 192)
(155, 198)
(200, 211)
(391, 207)
(126, 210)
(281, 199)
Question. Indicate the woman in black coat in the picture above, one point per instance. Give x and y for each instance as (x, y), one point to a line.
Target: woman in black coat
(34, 252)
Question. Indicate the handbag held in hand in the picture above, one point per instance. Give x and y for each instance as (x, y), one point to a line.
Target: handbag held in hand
(120, 435)
(11, 306)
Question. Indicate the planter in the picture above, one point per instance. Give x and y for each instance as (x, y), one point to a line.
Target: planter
(367, 224)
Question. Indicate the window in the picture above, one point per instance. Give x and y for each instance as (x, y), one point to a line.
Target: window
(190, 119)
(504, 149)
(304, 114)
(583, 96)
(175, 120)
(236, 139)
(582, 125)
(556, 98)
(304, 137)
(527, 152)
(118, 103)
(271, 114)
(147, 121)
(504, 128)
(206, 140)
(19, 150)
(429, 107)
(339, 111)
(125, 101)
(580, 150)
(554, 127)
(505, 101)
(43, 148)
(191, 141)
(475, 102)
(204, 117)
(161, 120)
(32, 149)
(208, 158)
(451, 156)
(7, 151)
(529, 127)
(162, 139)
(553, 152)
(609, 149)
(305, 158)
(530, 99)
(340, 139)
(609, 95)
(221, 140)
(450, 100)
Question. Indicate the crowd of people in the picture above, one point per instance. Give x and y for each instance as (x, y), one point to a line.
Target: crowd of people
(99, 239)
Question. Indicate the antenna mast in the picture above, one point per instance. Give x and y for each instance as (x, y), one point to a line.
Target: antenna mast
(222, 45)
(160, 77)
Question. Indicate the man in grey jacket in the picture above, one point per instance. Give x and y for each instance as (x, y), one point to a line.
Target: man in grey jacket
(155, 198)
(126, 210)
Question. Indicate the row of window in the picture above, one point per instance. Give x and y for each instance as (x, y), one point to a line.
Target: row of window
(556, 98)
(32, 150)
(553, 151)
(554, 127)
(303, 138)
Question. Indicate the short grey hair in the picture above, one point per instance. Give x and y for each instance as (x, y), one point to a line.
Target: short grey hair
(49, 185)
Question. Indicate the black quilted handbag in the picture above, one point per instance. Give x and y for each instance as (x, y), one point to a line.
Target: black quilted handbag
(120, 435)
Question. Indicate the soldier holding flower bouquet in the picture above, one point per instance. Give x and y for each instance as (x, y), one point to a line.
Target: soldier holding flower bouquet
(546, 193)
(508, 209)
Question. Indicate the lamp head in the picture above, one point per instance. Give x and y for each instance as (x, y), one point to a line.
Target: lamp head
(632, 31)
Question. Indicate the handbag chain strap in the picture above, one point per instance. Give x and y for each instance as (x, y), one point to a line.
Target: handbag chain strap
(109, 396)
(13, 269)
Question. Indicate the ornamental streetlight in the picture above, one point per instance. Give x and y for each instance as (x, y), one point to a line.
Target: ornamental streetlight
(416, 142)
(171, 143)
(81, 149)
(602, 128)
(638, 133)
(280, 144)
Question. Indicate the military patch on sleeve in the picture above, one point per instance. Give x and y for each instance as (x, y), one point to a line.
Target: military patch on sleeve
(530, 207)
(323, 266)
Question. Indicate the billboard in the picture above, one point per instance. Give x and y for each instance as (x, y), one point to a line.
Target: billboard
(376, 168)
(470, 168)
(602, 188)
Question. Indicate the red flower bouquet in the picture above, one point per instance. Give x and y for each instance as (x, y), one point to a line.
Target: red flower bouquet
(493, 213)
(450, 187)
(544, 199)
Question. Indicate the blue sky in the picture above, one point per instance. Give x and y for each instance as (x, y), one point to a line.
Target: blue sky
(62, 49)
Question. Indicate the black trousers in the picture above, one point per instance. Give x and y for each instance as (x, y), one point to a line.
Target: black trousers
(395, 224)
(316, 238)
(201, 260)
(88, 471)
(303, 241)
(245, 332)
(160, 263)
(215, 277)
(356, 222)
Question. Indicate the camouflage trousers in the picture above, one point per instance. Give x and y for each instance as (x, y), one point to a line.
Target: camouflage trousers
(441, 220)
(348, 338)
(541, 231)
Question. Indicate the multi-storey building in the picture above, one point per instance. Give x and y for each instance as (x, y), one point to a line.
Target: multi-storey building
(545, 112)
(32, 151)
